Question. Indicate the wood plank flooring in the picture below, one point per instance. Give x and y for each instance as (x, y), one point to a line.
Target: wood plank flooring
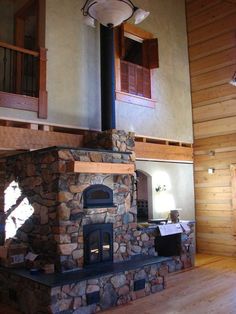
(210, 287)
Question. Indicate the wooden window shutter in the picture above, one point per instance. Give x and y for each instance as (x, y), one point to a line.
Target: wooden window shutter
(150, 53)
(146, 83)
(132, 79)
(124, 76)
(139, 81)
(122, 41)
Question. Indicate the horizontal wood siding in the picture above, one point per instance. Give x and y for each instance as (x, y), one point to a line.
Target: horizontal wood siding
(211, 26)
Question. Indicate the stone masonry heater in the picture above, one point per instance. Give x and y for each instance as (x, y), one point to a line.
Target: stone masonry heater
(82, 218)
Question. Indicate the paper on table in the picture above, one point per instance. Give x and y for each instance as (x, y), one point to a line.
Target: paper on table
(185, 226)
(31, 256)
(170, 229)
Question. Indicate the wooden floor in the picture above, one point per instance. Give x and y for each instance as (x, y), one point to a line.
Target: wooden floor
(208, 288)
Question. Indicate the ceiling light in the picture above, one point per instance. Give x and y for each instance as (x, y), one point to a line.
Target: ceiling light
(140, 15)
(112, 13)
(233, 80)
(89, 21)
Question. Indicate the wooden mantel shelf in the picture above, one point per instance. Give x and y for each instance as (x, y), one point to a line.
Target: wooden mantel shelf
(100, 167)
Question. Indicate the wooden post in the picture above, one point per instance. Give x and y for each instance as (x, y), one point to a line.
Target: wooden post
(2, 213)
(43, 95)
(19, 40)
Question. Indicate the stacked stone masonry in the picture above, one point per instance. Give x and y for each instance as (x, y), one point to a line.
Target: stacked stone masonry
(54, 230)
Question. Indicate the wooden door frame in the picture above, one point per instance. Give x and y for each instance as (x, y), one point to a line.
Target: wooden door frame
(20, 17)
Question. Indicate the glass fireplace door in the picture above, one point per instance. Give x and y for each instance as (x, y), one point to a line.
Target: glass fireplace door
(98, 243)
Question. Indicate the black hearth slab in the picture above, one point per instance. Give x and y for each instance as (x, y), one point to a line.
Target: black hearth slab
(90, 272)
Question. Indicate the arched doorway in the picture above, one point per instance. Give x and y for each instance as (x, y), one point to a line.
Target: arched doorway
(144, 199)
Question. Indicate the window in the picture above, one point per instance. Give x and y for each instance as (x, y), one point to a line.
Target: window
(136, 56)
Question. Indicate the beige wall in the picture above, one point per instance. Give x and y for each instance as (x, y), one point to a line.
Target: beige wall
(171, 118)
(73, 79)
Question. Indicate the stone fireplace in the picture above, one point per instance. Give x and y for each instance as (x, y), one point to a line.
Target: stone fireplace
(83, 220)
(66, 201)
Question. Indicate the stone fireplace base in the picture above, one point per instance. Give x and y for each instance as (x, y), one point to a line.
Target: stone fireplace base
(87, 291)
(96, 287)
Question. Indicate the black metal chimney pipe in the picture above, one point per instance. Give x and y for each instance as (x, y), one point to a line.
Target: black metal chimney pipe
(107, 78)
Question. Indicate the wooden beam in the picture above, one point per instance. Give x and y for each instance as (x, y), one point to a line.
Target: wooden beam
(17, 101)
(135, 99)
(26, 139)
(19, 49)
(134, 30)
(43, 95)
(100, 167)
(163, 152)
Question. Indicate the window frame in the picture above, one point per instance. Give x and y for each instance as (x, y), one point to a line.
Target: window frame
(124, 96)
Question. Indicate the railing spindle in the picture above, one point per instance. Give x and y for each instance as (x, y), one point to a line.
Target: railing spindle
(4, 69)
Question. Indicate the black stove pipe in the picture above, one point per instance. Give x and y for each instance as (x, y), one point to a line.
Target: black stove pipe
(107, 78)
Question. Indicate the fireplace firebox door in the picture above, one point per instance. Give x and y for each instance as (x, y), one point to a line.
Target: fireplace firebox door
(98, 195)
(98, 243)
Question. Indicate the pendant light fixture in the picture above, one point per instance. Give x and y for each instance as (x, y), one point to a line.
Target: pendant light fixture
(111, 13)
(233, 79)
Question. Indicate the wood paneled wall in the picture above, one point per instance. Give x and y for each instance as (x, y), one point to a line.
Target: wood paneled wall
(211, 26)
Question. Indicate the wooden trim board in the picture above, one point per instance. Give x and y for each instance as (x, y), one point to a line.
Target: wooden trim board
(26, 139)
(17, 101)
(163, 152)
(100, 167)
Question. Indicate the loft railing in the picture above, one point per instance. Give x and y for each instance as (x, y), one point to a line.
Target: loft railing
(23, 79)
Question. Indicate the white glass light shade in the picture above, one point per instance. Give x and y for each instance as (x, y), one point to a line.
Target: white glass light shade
(89, 21)
(233, 80)
(110, 12)
(140, 15)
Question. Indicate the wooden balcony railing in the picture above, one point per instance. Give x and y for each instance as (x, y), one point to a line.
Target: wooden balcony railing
(23, 79)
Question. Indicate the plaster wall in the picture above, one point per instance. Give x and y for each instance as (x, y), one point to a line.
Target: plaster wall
(178, 181)
(73, 75)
